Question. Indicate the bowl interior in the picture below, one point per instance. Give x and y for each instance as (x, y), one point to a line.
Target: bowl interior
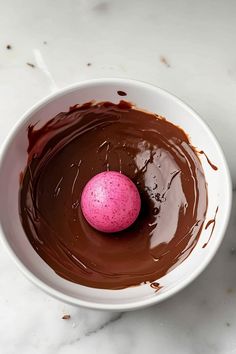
(14, 158)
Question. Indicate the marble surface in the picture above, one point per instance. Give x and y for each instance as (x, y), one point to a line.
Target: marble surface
(186, 47)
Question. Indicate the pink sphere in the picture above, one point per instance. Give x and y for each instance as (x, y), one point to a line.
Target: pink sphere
(110, 202)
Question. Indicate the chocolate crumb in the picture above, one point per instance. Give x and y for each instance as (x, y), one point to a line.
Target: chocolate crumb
(121, 93)
(66, 317)
(89, 64)
(164, 61)
(31, 65)
(9, 47)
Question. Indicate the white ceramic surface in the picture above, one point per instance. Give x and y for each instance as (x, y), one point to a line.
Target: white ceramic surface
(13, 160)
(125, 39)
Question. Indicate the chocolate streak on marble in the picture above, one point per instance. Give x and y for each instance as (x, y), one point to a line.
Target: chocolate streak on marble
(74, 146)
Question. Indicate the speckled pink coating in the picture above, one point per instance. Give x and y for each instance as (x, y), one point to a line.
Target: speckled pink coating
(110, 202)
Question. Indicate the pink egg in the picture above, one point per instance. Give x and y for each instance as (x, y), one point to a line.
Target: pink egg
(110, 202)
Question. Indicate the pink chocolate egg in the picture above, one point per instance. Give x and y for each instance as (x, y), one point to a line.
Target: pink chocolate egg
(110, 202)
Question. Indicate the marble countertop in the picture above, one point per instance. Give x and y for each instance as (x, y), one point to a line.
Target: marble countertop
(186, 47)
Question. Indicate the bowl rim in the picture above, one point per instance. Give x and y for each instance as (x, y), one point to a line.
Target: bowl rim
(146, 301)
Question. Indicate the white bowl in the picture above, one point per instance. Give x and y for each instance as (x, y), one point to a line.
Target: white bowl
(13, 159)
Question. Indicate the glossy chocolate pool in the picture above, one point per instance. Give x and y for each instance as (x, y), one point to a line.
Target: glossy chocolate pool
(157, 155)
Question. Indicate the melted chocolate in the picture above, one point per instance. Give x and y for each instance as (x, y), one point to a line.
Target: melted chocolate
(157, 155)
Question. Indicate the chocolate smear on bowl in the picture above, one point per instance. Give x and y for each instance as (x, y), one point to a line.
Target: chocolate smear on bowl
(209, 223)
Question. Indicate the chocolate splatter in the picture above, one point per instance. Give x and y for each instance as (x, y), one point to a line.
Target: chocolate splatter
(214, 167)
(156, 286)
(121, 93)
(211, 222)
